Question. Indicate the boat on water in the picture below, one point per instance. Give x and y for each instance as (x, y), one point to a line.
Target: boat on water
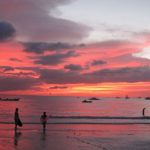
(9, 99)
(86, 101)
(93, 98)
(147, 98)
(126, 97)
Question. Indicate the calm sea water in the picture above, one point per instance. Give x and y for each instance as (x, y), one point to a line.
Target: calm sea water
(32, 107)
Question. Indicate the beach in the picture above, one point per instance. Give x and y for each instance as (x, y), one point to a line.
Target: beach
(74, 75)
(75, 137)
(106, 124)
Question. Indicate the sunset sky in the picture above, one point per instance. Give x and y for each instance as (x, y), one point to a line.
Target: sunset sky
(75, 47)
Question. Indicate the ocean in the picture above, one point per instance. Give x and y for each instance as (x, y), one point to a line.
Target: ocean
(71, 110)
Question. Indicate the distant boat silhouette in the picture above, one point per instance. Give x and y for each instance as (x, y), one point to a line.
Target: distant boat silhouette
(93, 98)
(86, 101)
(147, 98)
(126, 97)
(9, 99)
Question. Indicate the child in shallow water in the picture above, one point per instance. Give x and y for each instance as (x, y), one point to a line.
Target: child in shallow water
(44, 119)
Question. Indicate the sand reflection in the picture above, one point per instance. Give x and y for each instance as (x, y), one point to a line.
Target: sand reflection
(43, 135)
(17, 135)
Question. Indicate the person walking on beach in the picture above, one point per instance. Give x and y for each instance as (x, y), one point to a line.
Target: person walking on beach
(44, 119)
(143, 112)
(17, 119)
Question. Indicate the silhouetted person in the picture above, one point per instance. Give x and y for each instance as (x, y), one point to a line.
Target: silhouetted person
(17, 119)
(44, 119)
(143, 112)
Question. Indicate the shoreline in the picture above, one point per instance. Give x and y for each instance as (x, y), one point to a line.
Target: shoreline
(86, 123)
(75, 137)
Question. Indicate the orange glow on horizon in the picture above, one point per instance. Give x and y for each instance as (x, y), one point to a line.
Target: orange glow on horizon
(100, 90)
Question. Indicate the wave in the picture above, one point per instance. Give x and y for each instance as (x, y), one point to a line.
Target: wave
(97, 117)
(102, 123)
(89, 120)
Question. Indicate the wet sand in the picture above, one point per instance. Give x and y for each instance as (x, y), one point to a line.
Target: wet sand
(75, 137)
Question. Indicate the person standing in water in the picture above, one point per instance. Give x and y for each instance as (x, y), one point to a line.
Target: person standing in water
(44, 119)
(143, 112)
(17, 119)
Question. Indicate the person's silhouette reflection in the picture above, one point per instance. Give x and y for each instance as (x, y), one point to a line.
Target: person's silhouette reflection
(16, 137)
(44, 135)
(43, 139)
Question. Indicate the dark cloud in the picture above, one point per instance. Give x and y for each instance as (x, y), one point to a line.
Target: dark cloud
(58, 87)
(41, 47)
(60, 76)
(127, 74)
(35, 21)
(7, 68)
(15, 59)
(73, 67)
(98, 62)
(54, 76)
(16, 83)
(54, 59)
(7, 31)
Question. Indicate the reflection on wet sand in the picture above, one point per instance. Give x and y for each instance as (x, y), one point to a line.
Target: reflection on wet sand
(17, 135)
(43, 137)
